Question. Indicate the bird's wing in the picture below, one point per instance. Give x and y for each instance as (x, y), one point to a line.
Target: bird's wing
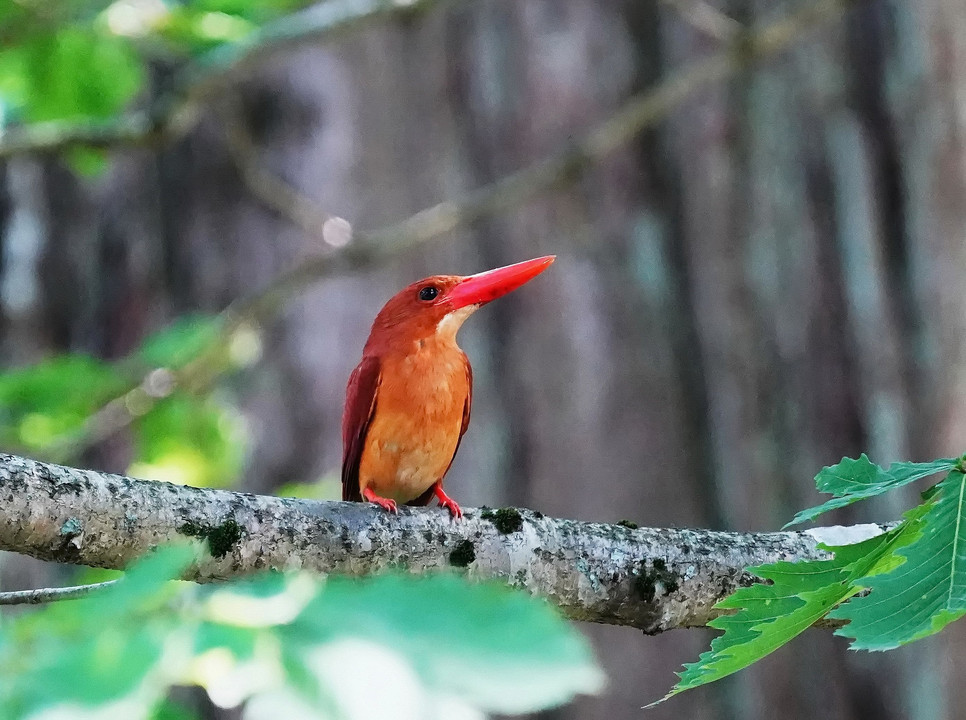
(360, 406)
(467, 404)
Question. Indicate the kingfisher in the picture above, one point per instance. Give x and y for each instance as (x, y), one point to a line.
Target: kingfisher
(408, 401)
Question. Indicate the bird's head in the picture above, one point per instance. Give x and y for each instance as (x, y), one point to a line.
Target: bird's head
(438, 305)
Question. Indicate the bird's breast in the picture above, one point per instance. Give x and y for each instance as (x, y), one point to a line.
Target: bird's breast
(417, 422)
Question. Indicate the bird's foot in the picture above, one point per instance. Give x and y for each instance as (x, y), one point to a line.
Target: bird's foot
(385, 503)
(447, 502)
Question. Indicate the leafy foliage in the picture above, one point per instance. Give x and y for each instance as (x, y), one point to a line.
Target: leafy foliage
(112, 641)
(88, 59)
(797, 596)
(47, 401)
(176, 436)
(292, 642)
(171, 710)
(891, 589)
(479, 638)
(927, 591)
(180, 342)
(189, 441)
(854, 480)
(76, 72)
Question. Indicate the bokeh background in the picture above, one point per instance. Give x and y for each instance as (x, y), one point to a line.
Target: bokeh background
(767, 278)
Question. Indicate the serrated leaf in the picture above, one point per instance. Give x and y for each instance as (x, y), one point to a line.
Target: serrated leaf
(927, 591)
(852, 480)
(768, 616)
(801, 593)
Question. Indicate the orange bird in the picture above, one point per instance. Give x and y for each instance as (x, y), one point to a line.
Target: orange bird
(408, 402)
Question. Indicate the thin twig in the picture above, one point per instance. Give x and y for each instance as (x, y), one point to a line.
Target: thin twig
(638, 113)
(46, 595)
(128, 130)
(268, 187)
(707, 19)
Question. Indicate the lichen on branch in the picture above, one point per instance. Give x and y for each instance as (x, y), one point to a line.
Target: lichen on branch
(648, 578)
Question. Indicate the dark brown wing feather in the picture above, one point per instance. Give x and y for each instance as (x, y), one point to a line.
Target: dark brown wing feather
(467, 405)
(360, 406)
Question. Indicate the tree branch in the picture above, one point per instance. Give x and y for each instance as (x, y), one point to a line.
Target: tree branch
(640, 112)
(274, 192)
(199, 81)
(647, 578)
(707, 19)
(47, 595)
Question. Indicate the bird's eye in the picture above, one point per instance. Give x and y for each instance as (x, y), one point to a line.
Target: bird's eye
(428, 293)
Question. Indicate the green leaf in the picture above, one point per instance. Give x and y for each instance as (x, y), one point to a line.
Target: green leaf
(206, 24)
(854, 480)
(195, 31)
(88, 162)
(799, 594)
(93, 651)
(171, 710)
(78, 73)
(493, 647)
(252, 9)
(13, 80)
(189, 441)
(291, 641)
(44, 402)
(927, 591)
(179, 342)
(327, 487)
(239, 642)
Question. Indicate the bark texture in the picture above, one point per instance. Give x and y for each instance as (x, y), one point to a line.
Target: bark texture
(648, 578)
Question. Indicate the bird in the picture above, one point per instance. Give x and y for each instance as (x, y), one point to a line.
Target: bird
(408, 400)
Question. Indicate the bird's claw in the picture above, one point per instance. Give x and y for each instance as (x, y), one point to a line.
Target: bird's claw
(449, 503)
(454, 509)
(387, 504)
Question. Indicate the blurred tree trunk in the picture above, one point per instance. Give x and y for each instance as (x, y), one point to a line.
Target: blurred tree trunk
(766, 282)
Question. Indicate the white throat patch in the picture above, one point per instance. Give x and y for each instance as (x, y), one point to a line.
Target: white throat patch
(450, 324)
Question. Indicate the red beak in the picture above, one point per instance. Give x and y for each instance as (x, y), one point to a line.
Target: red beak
(486, 286)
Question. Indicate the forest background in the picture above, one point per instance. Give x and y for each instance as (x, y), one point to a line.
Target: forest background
(759, 258)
